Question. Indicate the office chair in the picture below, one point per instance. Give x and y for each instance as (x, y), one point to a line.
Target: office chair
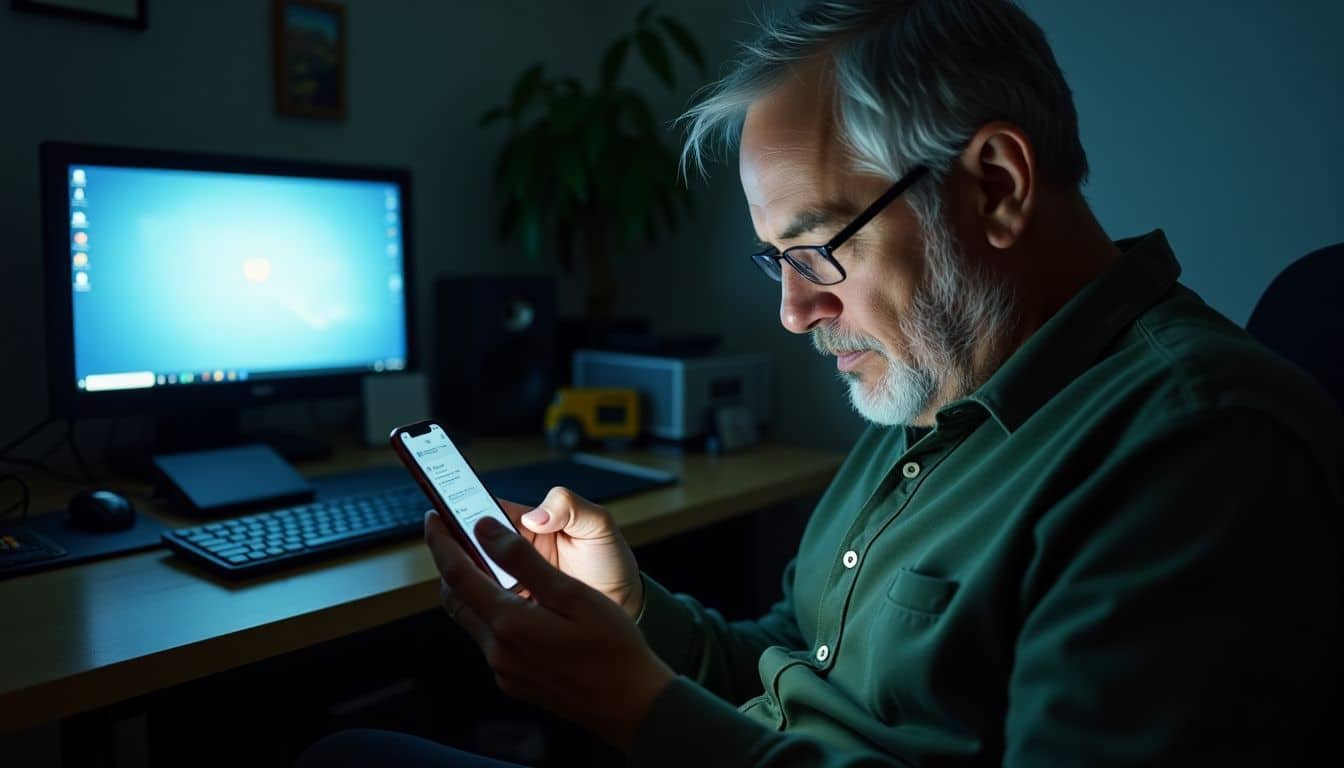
(1301, 316)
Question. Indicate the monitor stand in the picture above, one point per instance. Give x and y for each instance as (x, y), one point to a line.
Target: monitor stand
(201, 429)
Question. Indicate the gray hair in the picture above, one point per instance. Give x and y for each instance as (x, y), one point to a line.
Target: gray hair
(915, 80)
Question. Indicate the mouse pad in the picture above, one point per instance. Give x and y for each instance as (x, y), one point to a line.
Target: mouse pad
(52, 533)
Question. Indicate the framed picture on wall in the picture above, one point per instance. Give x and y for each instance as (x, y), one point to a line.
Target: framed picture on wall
(124, 13)
(309, 54)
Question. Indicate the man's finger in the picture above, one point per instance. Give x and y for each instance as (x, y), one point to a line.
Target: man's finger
(550, 587)
(461, 574)
(516, 511)
(464, 617)
(565, 510)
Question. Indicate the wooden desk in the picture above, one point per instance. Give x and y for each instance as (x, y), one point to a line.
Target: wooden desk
(84, 637)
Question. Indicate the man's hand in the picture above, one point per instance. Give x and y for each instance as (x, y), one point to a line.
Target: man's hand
(580, 539)
(567, 647)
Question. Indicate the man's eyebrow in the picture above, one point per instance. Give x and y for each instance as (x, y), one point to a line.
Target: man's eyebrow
(810, 219)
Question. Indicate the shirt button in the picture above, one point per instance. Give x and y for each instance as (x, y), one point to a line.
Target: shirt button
(910, 470)
(851, 559)
(823, 653)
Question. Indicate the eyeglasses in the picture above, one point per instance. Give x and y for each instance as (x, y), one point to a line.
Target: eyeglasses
(817, 262)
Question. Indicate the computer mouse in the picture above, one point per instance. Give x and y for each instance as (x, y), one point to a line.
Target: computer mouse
(103, 511)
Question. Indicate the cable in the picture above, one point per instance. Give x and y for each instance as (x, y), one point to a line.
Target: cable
(16, 442)
(42, 467)
(74, 448)
(23, 498)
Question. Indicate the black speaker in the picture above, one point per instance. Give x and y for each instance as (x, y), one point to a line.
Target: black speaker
(494, 362)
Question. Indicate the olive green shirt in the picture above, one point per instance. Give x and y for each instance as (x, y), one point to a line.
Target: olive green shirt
(1123, 549)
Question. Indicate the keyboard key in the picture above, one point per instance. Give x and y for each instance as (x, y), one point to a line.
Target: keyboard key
(330, 525)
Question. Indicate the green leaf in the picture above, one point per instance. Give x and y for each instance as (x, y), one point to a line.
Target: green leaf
(641, 117)
(594, 138)
(683, 40)
(613, 60)
(508, 219)
(531, 231)
(570, 166)
(655, 55)
(517, 165)
(491, 116)
(565, 114)
(526, 88)
(642, 18)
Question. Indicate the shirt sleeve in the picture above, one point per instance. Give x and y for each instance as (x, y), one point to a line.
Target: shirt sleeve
(690, 726)
(719, 655)
(1182, 606)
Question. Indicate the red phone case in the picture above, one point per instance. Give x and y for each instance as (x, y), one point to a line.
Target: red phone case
(445, 514)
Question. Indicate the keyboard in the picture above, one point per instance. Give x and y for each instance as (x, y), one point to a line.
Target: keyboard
(281, 538)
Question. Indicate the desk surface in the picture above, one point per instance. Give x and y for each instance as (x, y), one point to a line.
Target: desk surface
(83, 637)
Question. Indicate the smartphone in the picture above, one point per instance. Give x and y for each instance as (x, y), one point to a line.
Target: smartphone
(454, 488)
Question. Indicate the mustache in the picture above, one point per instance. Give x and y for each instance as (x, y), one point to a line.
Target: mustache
(832, 340)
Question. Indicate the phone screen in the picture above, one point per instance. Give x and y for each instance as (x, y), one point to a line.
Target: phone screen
(459, 488)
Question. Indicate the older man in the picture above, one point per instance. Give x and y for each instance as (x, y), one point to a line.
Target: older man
(1092, 523)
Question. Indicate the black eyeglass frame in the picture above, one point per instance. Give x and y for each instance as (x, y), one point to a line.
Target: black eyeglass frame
(769, 258)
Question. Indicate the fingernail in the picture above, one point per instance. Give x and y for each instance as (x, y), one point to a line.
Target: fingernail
(538, 516)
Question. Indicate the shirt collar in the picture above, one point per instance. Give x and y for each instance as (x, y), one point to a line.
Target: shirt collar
(1075, 337)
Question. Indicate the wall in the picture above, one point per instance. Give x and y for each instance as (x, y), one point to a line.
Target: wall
(1218, 126)
(199, 79)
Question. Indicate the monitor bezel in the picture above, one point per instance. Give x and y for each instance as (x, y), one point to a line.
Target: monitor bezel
(67, 400)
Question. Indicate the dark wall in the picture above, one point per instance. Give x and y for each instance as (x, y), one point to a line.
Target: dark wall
(199, 79)
(1219, 128)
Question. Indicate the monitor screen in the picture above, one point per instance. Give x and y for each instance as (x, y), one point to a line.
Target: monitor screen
(188, 274)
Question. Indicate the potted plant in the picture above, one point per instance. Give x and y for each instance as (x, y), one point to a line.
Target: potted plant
(587, 169)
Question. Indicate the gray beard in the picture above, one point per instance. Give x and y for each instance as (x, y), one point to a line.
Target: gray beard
(957, 307)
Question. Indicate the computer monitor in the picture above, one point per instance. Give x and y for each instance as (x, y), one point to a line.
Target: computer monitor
(188, 281)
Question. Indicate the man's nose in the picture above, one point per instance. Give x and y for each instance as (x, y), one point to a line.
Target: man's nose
(802, 303)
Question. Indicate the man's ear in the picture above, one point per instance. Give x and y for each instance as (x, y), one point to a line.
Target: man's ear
(1002, 168)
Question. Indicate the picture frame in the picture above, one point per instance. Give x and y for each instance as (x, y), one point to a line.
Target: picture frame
(309, 58)
(121, 13)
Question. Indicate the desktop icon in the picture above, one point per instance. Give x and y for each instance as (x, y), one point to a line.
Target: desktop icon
(78, 194)
(79, 259)
(391, 217)
(172, 378)
(233, 375)
(78, 178)
(394, 283)
(391, 202)
(161, 379)
(219, 375)
(392, 249)
(378, 365)
(81, 238)
(391, 231)
(242, 375)
(81, 281)
(188, 377)
(79, 219)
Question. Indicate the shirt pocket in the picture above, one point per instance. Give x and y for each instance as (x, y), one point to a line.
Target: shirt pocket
(919, 598)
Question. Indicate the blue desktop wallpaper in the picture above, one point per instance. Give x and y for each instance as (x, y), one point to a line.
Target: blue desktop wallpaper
(189, 271)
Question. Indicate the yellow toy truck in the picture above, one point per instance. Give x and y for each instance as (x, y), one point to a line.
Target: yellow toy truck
(589, 413)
